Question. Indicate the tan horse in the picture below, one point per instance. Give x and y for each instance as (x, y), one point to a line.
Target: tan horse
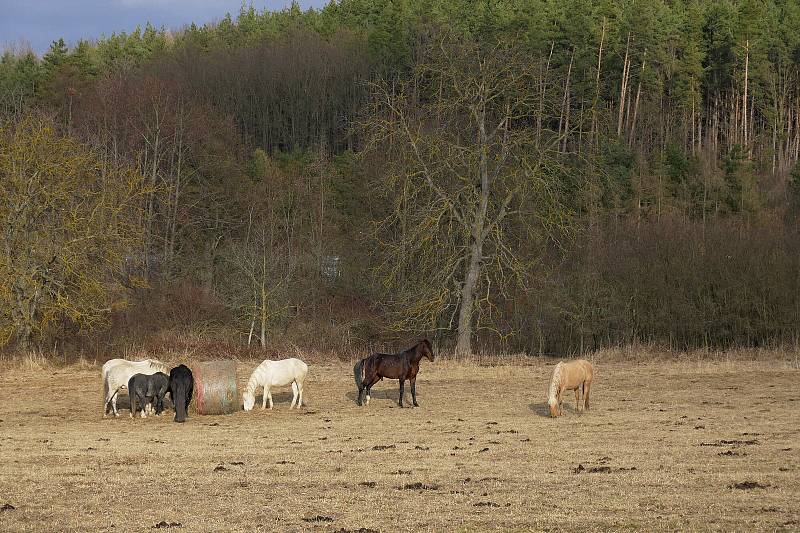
(574, 375)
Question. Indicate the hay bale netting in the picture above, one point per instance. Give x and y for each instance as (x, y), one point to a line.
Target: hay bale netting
(215, 387)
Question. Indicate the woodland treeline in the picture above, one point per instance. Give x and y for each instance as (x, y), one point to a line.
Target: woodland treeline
(537, 175)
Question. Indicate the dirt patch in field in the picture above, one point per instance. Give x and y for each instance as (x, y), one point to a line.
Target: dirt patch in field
(418, 486)
(318, 519)
(748, 485)
(166, 525)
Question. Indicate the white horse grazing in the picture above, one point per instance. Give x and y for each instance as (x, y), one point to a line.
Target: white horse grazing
(116, 374)
(275, 374)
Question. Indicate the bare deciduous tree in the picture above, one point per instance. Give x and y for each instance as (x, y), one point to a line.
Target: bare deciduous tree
(468, 180)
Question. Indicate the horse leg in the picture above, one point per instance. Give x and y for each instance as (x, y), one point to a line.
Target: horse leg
(105, 397)
(264, 398)
(114, 402)
(107, 404)
(299, 394)
(560, 407)
(577, 399)
(367, 388)
(362, 390)
(294, 394)
(269, 397)
(132, 400)
(414, 391)
(402, 383)
(586, 386)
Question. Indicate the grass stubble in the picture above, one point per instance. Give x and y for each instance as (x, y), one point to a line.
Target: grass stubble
(688, 445)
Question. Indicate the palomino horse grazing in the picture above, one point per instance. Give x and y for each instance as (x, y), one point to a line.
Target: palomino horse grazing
(116, 374)
(276, 374)
(401, 366)
(575, 375)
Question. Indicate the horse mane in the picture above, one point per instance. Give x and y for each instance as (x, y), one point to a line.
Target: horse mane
(257, 376)
(415, 349)
(555, 383)
(158, 365)
(252, 382)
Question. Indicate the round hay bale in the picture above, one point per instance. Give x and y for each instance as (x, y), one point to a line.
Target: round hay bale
(216, 392)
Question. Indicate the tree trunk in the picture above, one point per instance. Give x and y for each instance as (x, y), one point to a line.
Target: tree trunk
(565, 107)
(542, 94)
(252, 329)
(263, 335)
(744, 96)
(623, 88)
(593, 129)
(636, 104)
(464, 342)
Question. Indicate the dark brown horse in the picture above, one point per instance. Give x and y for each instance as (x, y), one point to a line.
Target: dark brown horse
(403, 366)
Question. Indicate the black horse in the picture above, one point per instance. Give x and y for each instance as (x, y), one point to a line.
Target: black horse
(402, 366)
(144, 389)
(181, 384)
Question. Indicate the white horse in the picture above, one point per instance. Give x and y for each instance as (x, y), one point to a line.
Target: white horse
(117, 372)
(276, 374)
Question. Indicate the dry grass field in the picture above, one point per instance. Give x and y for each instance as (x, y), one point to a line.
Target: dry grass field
(684, 445)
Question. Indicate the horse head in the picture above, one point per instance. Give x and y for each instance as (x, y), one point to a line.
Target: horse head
(425, 349)
(248, 400)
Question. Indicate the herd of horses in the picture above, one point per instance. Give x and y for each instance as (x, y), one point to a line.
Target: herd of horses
(148, 384)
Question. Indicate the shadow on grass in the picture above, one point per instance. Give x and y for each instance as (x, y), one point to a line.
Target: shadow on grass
(383, 394)
(540, 408)
(543, 409)
(278, 399)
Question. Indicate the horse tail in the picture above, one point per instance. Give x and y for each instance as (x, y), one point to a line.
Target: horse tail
(178, 392)
(105, 394)
(132, 397)
(358, 373)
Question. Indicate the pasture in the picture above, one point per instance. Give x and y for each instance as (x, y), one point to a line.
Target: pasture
(667, 445)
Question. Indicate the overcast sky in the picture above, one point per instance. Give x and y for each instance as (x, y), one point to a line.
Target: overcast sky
(39, 22)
